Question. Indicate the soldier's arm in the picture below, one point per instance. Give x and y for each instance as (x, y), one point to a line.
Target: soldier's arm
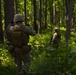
(54, 36)
(30, 31)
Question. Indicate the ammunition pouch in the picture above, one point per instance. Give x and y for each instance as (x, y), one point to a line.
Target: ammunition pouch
(26, 49)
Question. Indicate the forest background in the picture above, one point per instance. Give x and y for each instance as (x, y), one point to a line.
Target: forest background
(43, 16)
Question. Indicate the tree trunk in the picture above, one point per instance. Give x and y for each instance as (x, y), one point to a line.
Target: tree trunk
(25, 11)
(69, 14)
(46, 14)
(8, 11)
(51, 11)
(35, 18)
(17, 6)
(1, 30)
(63, 13)
(40, 16)
(54, 15)
(51, 14)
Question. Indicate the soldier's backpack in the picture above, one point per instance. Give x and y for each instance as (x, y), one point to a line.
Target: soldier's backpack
(17, 36)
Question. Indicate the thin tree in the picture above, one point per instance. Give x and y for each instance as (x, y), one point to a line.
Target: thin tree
(25, 11)
(51, 11)
(1, 29)
(35, 18)
(16, 2)
(40, 16)
(46, 14)
(54, 14)
(69, 14)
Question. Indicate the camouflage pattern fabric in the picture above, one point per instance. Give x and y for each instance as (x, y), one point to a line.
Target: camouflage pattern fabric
(21, 58)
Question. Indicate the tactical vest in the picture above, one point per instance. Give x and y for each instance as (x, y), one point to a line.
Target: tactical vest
(17, 36)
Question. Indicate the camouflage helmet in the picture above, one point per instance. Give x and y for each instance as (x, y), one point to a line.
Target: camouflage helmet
(18, 17)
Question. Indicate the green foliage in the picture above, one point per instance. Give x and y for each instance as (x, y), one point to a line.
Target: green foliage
(7, 67)
(44, 57)
(58, 61)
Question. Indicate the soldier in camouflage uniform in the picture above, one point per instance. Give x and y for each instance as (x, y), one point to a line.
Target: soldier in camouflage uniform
(55, 40)
(22, 59)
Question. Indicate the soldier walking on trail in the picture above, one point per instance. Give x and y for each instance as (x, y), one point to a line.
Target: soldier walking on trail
(19, 48)
(55, 40)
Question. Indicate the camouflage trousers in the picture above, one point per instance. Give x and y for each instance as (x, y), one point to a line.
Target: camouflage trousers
(22, 62)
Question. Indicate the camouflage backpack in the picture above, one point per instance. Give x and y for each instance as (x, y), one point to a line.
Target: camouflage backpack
(17, 36)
